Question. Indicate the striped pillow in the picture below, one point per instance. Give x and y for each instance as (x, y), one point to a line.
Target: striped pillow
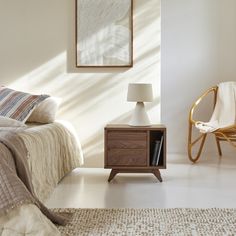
(18, 105)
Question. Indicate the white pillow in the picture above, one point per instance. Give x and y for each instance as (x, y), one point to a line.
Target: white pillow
(8, 122)
(46, 111)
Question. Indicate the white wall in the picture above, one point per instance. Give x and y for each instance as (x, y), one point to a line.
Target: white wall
(37, 55)
(198, 51)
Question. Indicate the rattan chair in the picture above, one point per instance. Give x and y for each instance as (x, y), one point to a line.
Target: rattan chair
(223, 134)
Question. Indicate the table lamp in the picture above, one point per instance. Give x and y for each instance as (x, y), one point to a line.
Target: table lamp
(139, 93)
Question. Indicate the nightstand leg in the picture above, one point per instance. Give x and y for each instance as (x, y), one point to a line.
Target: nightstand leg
(112, 174)
(157, 174)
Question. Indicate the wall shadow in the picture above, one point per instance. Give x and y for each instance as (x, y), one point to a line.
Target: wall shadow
(92, 98)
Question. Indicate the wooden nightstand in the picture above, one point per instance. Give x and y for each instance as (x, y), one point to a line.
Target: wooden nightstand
(131, 149)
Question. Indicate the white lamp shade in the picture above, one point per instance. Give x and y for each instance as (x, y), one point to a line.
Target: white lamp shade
(140, 93)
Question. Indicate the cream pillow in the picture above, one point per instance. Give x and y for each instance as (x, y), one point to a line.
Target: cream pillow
(8, 122)
(46, 111)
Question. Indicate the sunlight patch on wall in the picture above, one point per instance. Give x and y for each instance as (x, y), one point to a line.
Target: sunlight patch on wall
(91, 100)
(43, 79)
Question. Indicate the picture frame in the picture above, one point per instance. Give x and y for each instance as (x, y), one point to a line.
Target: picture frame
(104, 33)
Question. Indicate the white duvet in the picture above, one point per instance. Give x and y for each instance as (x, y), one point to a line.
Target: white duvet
(27, 220)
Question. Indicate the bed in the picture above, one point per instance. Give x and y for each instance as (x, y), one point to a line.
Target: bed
(58, 141)
(52, 151)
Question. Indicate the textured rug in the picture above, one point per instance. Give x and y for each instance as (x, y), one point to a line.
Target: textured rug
(142, 222)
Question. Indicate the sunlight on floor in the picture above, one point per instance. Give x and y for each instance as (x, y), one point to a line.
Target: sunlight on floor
(209, 183)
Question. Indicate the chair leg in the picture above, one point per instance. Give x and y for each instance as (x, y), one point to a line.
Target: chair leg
(218, 146)
(202, 137)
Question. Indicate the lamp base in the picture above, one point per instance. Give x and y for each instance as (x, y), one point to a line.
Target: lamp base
(139, 117)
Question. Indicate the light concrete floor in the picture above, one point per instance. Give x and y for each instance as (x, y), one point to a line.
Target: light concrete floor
(209, 183)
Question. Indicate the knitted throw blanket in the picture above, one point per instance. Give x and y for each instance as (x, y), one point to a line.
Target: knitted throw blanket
(224, 114)
(15, 180)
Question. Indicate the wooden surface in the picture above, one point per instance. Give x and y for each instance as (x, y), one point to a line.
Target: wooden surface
(129, 149)
(127, 157)
(136, 144)
(155, 172)
(128, 127)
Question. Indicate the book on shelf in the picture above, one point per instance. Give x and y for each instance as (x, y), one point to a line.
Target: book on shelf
(157, 152)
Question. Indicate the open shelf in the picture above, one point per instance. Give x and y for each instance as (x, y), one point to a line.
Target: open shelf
(156, 136)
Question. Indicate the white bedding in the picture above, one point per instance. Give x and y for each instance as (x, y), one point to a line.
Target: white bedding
(27, 220)
(53, 151)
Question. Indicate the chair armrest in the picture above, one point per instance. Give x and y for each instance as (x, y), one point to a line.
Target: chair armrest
(213, 89)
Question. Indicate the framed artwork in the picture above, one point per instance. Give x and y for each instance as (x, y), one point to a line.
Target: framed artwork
(104, 33)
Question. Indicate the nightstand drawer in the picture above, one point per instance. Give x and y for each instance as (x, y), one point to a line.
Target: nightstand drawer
(131, 144)
(127, 157)
(127, 135)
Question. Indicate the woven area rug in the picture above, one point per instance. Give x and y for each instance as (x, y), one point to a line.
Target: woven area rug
(137, 222)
